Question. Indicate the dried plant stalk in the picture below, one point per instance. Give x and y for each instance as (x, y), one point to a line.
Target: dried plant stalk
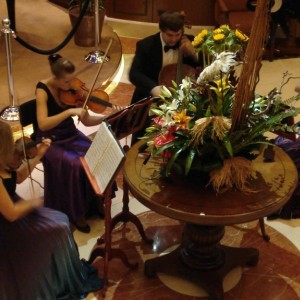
(250, 73)
(220, 125)
(235, 173)
(199, 130)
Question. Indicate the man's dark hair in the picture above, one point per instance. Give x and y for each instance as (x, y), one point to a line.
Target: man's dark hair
(171, 20)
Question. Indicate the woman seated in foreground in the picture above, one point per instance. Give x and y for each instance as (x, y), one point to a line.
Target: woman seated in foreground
(39, 259)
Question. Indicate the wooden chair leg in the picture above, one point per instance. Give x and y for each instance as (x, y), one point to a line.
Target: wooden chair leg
(265, 236)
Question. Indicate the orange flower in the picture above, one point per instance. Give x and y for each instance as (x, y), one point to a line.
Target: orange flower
(181, 119)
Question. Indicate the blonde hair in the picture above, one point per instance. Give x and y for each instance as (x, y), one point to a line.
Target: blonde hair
(6, 144)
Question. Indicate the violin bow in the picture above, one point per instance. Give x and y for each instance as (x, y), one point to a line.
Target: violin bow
(27, 162)
(97, 74)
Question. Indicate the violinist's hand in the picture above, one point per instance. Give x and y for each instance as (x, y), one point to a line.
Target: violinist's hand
(156, 91)
(43, 147)
(117, 108)
(37, 202)
(187, 47)
(80, 112)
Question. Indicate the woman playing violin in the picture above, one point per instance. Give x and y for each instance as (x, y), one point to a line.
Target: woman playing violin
(67, 188)
(38, 255)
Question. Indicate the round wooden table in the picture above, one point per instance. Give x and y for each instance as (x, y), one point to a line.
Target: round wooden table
(201, 258)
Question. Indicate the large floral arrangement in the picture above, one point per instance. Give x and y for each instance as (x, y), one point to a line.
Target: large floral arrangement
(192, 126)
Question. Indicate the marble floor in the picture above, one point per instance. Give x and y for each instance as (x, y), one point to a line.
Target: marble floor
(277, 275)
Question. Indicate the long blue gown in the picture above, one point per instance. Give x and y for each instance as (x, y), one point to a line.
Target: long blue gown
(39, 258)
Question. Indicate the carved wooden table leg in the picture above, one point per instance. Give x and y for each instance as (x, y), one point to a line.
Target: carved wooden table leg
(202, 260)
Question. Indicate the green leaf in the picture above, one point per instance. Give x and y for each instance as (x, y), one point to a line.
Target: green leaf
(173, 158)
(262, 127)
(174, 84)
(189, 160)
(157, 111)
(180, 133)
(151, 129)
(228, 146)
(173, 90)
(163, 148)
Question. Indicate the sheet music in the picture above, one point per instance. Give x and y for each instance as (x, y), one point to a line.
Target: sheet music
(104, 156)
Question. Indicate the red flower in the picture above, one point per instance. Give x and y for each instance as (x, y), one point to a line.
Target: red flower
(165, 138)
(158, 121)
(167, 154)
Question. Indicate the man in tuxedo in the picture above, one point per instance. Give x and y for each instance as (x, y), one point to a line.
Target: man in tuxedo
(157, 51)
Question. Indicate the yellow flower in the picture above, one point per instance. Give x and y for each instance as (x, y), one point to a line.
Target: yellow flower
(242, 36)
(225, 26)
(219, 36)
(197, 41)
(218, 30)
(203, 33)
(199, 38)
(181, 119)
(222, 83)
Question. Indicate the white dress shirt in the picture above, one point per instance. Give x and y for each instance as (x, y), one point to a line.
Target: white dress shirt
(169, 57)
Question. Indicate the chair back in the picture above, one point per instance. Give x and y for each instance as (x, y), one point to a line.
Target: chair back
(131, 119)
(27, 112)
(234, 13)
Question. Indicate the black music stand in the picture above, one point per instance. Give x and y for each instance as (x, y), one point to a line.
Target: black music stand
(123, 124)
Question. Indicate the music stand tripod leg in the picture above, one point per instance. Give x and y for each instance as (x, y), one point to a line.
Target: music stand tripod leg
(127, 216)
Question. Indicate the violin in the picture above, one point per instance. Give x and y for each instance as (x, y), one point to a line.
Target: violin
(25, 147)
(76, 95)
(19, 153)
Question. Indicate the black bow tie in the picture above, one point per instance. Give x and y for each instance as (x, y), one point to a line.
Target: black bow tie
(167, 47)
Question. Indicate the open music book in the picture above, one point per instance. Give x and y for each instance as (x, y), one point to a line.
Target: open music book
(104, 156)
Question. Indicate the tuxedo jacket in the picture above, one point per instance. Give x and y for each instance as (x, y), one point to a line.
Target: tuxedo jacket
(147, 64)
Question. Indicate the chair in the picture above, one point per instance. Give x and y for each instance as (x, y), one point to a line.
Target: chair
(27, 114)
(289, 46)
(234, 13)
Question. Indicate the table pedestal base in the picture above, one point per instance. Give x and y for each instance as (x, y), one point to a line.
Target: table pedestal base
(202, 260)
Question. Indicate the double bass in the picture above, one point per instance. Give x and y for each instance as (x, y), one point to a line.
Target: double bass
(175, 72)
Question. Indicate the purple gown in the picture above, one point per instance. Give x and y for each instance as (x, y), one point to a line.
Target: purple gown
(39, 258)
(292, 208)
(67, 188)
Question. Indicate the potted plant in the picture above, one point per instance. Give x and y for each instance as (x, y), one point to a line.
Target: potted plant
(85, 34)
